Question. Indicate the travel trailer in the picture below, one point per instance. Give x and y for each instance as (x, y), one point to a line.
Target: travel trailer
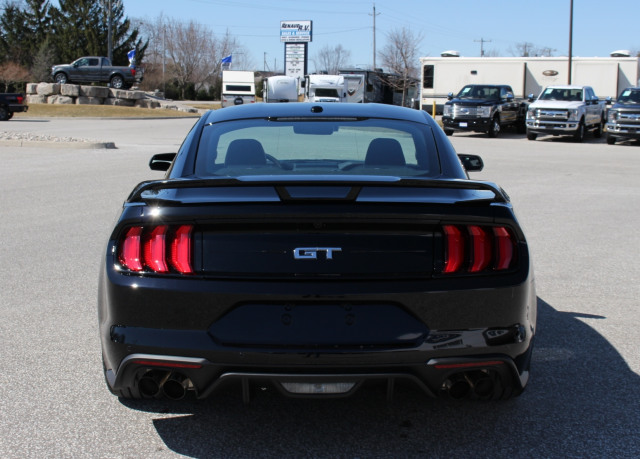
(238, 87)
(526, 75)
(280, 88)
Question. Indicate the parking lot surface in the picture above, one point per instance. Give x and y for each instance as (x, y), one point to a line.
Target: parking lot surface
(579, 205)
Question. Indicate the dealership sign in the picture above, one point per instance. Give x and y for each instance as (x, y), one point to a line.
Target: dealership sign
(295, 31)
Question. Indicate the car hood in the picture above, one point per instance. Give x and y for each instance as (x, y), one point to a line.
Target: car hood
(559, 104)
(472, 102)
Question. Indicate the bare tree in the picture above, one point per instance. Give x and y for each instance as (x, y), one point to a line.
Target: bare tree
(526, 49)
(331, 59)
(400, 57)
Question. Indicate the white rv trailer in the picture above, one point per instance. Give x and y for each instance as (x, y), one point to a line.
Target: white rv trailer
(280, 88)
(238, 87)
(526, 75)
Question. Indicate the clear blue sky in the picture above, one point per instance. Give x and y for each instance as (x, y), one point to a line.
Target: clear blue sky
(599, 27)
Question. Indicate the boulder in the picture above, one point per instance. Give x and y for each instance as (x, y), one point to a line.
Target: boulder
(32, 88)
(83, 100)
(119, 102)
(62, 100)
(71, 90)
(35, 99)
(94, 91)
(48, 89)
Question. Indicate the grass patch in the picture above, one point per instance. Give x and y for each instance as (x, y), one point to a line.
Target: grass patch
(98, 111)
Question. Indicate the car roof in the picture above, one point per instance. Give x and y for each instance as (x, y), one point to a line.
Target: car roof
(320, 110)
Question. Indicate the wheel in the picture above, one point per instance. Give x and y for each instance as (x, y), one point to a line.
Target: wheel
(61, 78)
(579, 134)
(532, 135)
(10, 115)
(117, 82)
(599, 130)
(611, 139)
(4, 113)
(448, 132)
(494, 128)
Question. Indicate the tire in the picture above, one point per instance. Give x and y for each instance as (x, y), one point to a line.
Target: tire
(448, 132)
(116, 82)
(599, 130)
(611, 140)
(578, 136)
(10, 115)
(494, 128)
(532, 135)
(61, 78)
(4, 113)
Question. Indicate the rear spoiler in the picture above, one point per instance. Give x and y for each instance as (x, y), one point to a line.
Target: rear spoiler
(148, 191)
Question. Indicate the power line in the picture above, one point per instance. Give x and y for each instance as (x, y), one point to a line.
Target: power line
(482, 41)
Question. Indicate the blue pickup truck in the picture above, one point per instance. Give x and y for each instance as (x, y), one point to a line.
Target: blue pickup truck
(96, 69)
(11, 103)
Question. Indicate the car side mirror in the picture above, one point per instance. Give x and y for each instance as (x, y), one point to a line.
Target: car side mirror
(509, 97)
(161, 161)
(531, 97)
(608, 100)
(471, 163)
(450, 96)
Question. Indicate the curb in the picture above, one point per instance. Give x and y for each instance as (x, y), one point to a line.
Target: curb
(50, 144)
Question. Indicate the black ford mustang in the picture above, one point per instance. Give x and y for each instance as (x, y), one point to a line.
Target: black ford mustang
(315, 248)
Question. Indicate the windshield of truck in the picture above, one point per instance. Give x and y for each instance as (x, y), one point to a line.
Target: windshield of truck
(629, 96)
(479, 92)
(335, 146)
(327, 92)
(566, 94)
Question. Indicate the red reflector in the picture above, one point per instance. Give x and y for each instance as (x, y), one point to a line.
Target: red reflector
(180, 257)
(454, 246)
(154, 363)
(480, 249)
(130, 256)
(155, 250)
(448, 366)
(20, 99)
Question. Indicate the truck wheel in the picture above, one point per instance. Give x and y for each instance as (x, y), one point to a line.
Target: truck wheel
(611, 140)
(448, 132)
(494, 128)
(4, 113)
(532, 135)
(599, 130)
(61, 78)
(579, 134)
(116, 82)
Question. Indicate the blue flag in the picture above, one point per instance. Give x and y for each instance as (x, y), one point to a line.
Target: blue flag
(226, 60)
(131, 55)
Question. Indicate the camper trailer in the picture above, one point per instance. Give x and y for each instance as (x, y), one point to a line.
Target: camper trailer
(380, 87)
(238, 87)
(526, 75)
(280, 88)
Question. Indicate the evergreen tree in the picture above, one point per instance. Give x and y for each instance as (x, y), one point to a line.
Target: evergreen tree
(37, 22)
(13, 34)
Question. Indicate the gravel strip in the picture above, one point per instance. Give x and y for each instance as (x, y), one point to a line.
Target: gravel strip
(27, 136)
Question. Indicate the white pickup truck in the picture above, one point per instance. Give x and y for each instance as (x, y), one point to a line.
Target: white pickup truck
(566, 110)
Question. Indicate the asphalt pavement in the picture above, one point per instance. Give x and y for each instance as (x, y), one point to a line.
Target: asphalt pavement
(579, 204)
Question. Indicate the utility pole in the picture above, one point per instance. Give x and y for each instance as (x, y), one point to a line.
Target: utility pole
(570, 38)
(374, 35)
(482, 41)
(109, 33)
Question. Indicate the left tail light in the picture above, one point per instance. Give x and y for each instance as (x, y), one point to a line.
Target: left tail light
(20, 99)
(159, 249)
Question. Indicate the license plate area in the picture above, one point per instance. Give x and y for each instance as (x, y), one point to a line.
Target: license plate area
(307, 326)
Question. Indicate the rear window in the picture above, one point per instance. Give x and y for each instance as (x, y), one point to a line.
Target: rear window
(317, 147)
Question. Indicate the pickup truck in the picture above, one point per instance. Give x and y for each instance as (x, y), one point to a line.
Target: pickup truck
(623, 118)
(566, 110)
(95, 69)
(11, 103)
(483, 108)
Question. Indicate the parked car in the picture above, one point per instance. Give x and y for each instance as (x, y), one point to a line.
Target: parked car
(484, 108)
(623, 118)
(10, 104)
(315, 248)
(566, 110)
(95, 69)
